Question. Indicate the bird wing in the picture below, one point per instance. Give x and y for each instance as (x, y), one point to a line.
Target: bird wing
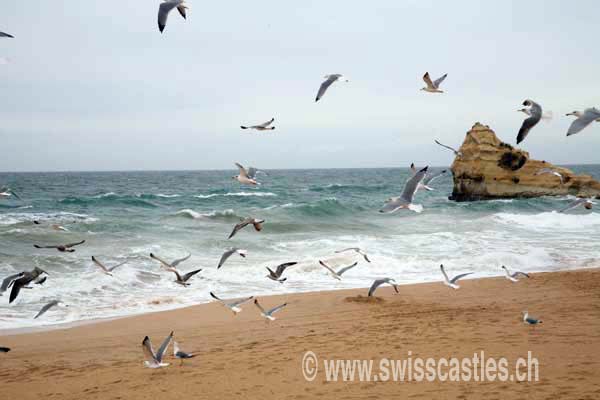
(187, 276)
(528, 123)
(17, 284)
(375, 285)
(7, 281)
(342, 270)
(327, 267)
(275, 309)
(439, 81)
(74, 244)
(3, 34)
(243, 171)
(182, 12)
(589, 116)
(348, 249)
(37, 246)
(252, 172)
(519, 273)
(148, 349)
(98, 263)
(175, 263)
(431, 178)
(282, 267)
(163, 347)
(214, 296)
(160, 260)
(444, 272)
(241, 301)
(457, 277)
(448, 147)
(412, 185)
(46, 308)
(427, 80)
(324, 86)
(163, 12)
(265, 124)
(572, 205)
(392, 205)
(111, 269)
(238, 227)
(225, 256)
(257, 304)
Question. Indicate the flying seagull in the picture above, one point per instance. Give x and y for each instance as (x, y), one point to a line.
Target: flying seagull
(106, 270)
(433, 87)
(578, 114)
(546, 115)
(589, 115)
(530, 320)
(587, 203)
(4, 349)
(452, 282)
(268, 314)
(329, 79)
(229, 253)
(243, 177)
(165, 8)
(234, 306)
(430, 178)
(514, 275)
(35, 276)
(356, 250)
(178, 353)
(154, 360)
(61, 247)
(261, 127)
(6, 282)
(2, 34)
(379, 282)
(257, 223)
(406, 198)
(47, 307)
(337, 274)
(535, 115)
(182, 279)
(452, 149)
(276, 275)
(172, 266)
(6, 192)
(56, 227)
(551, 172)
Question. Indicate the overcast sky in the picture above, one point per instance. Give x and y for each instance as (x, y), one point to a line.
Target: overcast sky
(93, 85)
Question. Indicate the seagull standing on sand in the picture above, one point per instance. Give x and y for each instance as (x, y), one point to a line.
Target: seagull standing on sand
(106, 270)
(234, 306)
(182, 355)
(261, 127)
(229, 253)
(379, 282)
(337, 274)
(433, 87)
(329, 79)
(63, 248)
(535, 115)
(406, 198)
(165, 8)
(452, 282)
(530, 320)
(587, 203)
(171, 267)
(276, 275)
(35, 276)
(268, 314)
(356, 250)
(48, 306)
(154, 360)
(257, 223)
(514, 275)
(551, 172)
(243, 177)
(589, 115)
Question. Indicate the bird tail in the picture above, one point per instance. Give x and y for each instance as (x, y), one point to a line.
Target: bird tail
(418, 208)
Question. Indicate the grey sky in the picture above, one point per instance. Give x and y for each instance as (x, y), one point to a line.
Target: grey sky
(93, 85)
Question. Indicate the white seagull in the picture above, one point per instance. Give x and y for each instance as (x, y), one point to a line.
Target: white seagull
(452, 282)
(428, 179)
(406, 198)
(514, 275)
(108, 271)
(165, 8)
(433, 87)
(379, 282)
(268, 314)
(577, 114)
(337, 274)
(154, 360)
(172, 266)
(329, 79)
(530, 320)
(243, 176)
(589, 115)
(234, 306)
(535, 115)
(6, 192)
(452, 149)
(356, 250)
(276, 275)
(261, 127)
(229, 253)
(48, 306)
(587, 203)
(551, 172)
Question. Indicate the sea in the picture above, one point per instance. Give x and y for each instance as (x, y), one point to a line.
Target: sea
(309, 214)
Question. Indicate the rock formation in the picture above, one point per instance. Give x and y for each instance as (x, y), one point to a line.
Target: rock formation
(490, 169)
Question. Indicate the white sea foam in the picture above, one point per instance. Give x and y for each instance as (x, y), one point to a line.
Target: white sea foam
(236, 194)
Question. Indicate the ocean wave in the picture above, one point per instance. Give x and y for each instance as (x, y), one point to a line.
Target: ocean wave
(550, 220)
(235, 194)
(158, 195)
(216, 214)
(20, 218)
(108, 199)
(339, 187)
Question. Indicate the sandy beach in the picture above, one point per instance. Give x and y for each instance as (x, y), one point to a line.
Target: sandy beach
(245, 357)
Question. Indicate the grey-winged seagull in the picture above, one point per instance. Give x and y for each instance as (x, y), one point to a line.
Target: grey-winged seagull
(452, 282)
(329, 80)
(104, 268)
(261, 127)
(48, 306)
(587, 203)
(535, 115)
(243, 177)
(433, 87)
(6, 282)
(155, 360)
(512, 276)
(379, 282)
(63, 248)
(276, 275)
(268, 314)
(530, 320)
(356, 250)
(234, 306)
(452, 149)
(183, 279)
(180, 354)
(589, 115)
(405, 200)
(229, 253)
(172, 266)
(551, 172)
(257, 223)
(37, 275)
(6, 192)
(165, 8)
(577, 114)
(337, 274)
(3, 34)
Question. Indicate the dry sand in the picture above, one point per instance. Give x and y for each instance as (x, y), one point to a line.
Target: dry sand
(244, 357)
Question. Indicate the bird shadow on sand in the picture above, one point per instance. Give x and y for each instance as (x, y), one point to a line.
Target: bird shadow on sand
(365, 299)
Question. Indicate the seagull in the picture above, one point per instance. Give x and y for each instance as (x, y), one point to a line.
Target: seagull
(229, 253)
(261, 127)
(337, 274)
(6, 192)
(456, 152)
(106, 270)
(252, 172)
(257, 223)
(61, 247)
(535, 115)
(406, 198)
(165, 8)
(379, 282)
(2, 34)
(8, 280)
(180, 354)
(587, 203)
(530, 320)
(234, 306)
(154, 360)
(357, 250)
(182, 279)
(56, 227)
(452, 282)
(34, 276)
(589, 115)
(578, 114)
(433, 87)
(551, 172)
(268, 314)
(329, 79)
(243, 177)
(276, 276)
(171, 267)
(430, 178)
(546, 115)
(4, 349)
(513, 276)
(47, 307)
